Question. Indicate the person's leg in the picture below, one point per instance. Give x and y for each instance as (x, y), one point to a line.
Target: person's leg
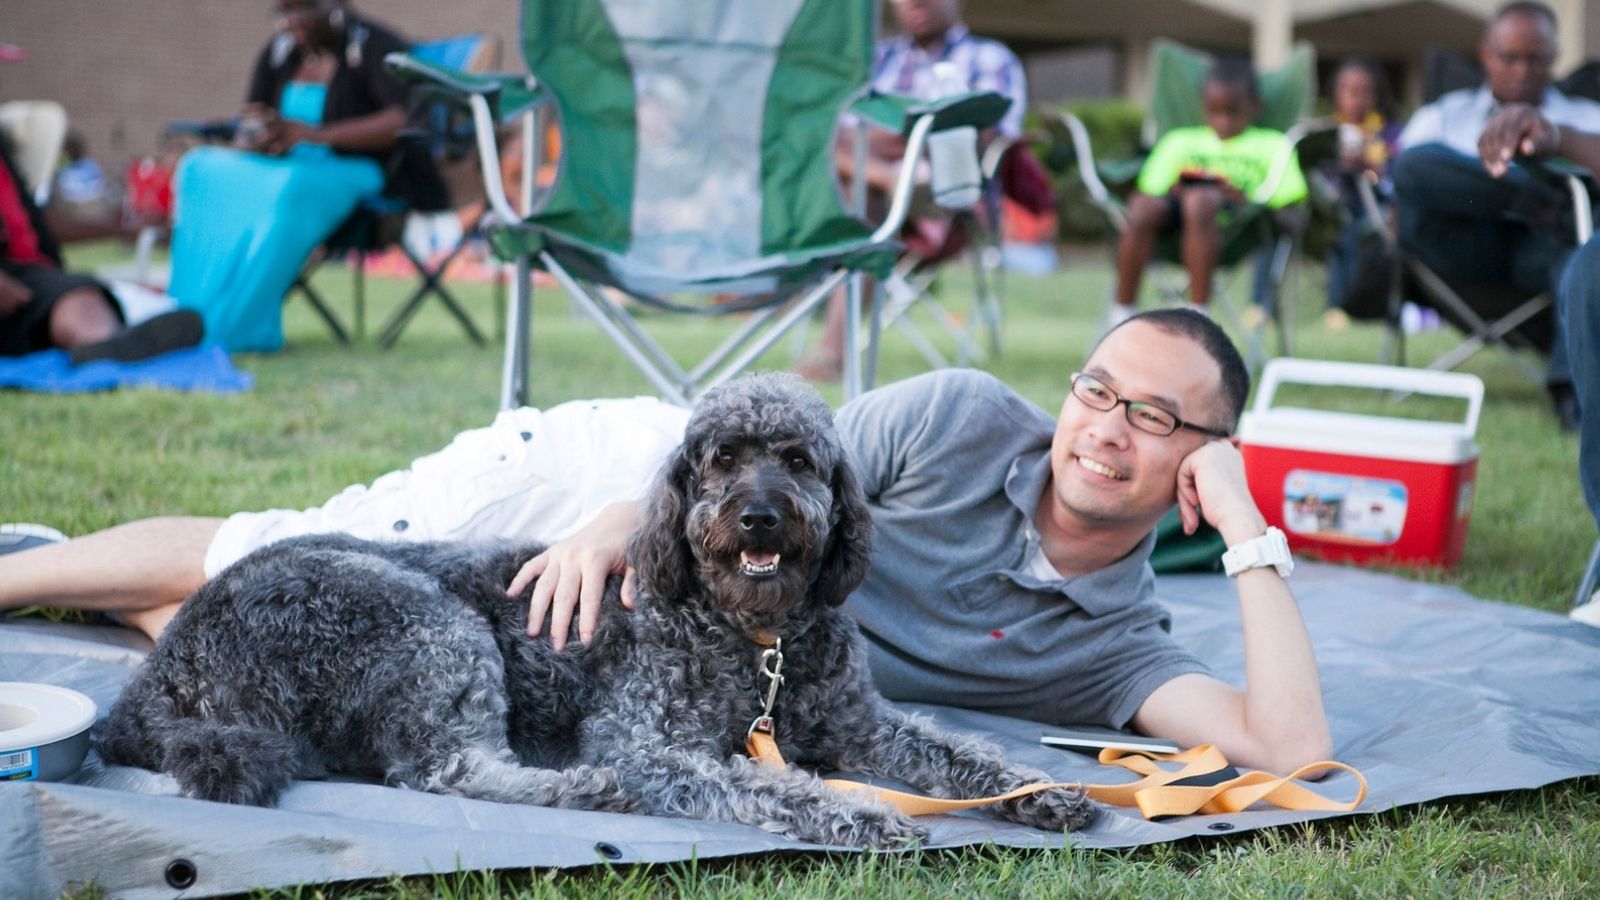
(83, 315)
(1578, 302)
(1451, 214)
(1201, 245)
(142, 570)
(1147, 217)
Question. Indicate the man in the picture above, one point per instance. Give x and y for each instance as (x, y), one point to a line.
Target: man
(1523, 130)
(931, 34)
(42, 306)
(1476, 230)
(1010, 568)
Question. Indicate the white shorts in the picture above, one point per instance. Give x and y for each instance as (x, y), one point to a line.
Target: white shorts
(532, 475)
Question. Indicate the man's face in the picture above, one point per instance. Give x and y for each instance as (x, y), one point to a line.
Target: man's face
(1516, 54)
(926, 19)
(1229, 110)
(1105, 470)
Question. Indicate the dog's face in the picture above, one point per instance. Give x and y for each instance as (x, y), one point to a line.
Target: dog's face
(758, 518)
(758, 509)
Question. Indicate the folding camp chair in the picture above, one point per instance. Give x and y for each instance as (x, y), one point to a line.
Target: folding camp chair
(375, 224)
(697, 160)
(37, 128)
(1488, 315)
(1267, 238)
(1009, 170)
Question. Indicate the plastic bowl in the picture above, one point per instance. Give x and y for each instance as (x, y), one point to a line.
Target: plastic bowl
(44, 731)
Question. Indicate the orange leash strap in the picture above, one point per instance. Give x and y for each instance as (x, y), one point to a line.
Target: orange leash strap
(764, 750)
(1155, 794)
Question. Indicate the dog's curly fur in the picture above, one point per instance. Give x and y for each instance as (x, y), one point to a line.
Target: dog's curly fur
(407, 662)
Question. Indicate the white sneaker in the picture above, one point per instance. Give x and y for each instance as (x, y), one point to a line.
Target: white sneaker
(15, 536)
(1589, 613)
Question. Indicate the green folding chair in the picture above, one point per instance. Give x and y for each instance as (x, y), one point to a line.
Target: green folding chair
(697, 162)
(1177, 79)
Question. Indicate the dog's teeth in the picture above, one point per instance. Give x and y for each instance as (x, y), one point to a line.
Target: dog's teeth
(750, 566)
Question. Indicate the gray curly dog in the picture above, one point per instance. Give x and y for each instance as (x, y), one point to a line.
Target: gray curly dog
(407, 662)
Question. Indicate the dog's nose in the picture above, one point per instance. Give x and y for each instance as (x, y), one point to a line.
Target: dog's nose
(758, 517)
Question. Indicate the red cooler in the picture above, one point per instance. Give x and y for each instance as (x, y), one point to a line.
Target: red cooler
(1364, 488)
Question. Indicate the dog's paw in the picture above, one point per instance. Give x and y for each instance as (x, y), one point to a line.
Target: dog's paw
(595, 787)
(875, 827)
(1057, 809)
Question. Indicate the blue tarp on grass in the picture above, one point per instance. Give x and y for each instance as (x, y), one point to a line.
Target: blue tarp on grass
(200, 369)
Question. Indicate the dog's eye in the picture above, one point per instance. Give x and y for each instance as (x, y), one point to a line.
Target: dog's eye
(798, 463)
(724, 457)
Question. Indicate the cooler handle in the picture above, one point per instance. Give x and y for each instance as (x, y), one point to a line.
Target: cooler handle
(1286, 370)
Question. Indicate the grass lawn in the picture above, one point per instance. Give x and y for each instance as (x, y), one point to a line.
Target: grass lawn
(323, 416)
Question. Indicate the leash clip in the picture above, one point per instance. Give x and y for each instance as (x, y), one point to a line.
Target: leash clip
(771, 666)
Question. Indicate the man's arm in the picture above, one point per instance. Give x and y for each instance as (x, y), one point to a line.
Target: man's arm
(1521, 130)
(1277, 722)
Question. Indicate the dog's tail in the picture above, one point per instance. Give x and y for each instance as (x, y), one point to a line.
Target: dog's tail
(210, 760)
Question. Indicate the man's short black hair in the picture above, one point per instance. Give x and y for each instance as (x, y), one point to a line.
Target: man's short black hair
(1237, 74)
(1527, 8)
(1199, 328)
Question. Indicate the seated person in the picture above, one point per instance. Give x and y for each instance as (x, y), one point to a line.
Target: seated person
(1196, 182)
(1523, 130)
(1011, 556)
(931, 33)
(318, 135)
(1358, 271)
(1475, 230)
(43, 306)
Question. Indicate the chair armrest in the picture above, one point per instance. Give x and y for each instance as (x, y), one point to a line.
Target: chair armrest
(1089, 170)
(893, 112)
(1288, 155)
(1578, 181)
(205, 129)
(508, 94)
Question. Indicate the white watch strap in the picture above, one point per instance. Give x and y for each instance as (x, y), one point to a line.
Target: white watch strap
(1269, 549)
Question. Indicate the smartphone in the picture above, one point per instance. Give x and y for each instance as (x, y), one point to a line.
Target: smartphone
(1095, 741)
(1197, 176)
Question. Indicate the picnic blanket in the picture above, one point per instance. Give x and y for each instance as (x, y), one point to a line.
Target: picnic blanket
(1430, 692)
(199, 369)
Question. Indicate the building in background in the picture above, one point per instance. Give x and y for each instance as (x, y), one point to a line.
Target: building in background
(123, 70)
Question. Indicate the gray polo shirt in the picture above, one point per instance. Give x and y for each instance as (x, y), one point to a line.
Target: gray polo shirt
(953, 464)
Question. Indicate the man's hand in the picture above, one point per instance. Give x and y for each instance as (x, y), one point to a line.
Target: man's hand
(1212, 485)
(572, 575)
(1516, 130)
(14, 295)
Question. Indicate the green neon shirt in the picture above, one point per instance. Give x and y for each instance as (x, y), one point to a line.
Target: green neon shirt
(1244, 160)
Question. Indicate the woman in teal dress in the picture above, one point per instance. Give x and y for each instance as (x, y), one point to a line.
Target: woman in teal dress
(318, 135)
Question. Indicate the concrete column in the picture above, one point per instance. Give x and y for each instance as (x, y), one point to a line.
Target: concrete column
(1572, 16)
(1136, 68)
(1272, 33)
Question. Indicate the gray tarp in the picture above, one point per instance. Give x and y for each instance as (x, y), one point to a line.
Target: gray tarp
(1430, 692)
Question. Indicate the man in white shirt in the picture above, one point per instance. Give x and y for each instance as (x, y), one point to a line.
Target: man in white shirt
(1473, 229)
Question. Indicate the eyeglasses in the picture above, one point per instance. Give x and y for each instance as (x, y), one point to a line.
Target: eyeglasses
(1531, 60)
(1091, 392)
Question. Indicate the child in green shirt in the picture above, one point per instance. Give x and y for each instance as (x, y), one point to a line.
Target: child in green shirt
(1196, 178)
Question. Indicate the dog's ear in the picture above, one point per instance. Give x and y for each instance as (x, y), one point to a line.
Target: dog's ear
(659, 549)
(849, 551)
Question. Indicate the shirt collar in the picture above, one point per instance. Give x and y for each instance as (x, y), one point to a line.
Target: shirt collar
(1097, 592)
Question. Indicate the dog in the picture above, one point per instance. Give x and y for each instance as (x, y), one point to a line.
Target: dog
(407, 662)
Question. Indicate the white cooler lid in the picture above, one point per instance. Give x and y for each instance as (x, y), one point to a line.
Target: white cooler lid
(1353, 434)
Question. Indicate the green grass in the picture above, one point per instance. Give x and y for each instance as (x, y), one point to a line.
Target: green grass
(322, 416)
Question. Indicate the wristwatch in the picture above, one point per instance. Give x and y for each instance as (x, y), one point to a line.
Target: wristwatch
(1270, 549)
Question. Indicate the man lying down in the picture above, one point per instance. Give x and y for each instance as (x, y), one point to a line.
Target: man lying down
(1010, 569)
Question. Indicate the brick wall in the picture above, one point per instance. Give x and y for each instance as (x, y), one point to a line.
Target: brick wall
(123, 68)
